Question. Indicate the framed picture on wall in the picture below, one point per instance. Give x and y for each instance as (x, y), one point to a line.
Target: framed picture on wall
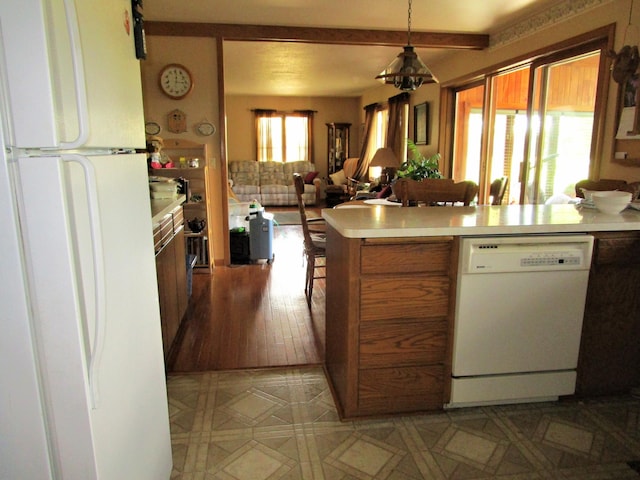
(421, 124)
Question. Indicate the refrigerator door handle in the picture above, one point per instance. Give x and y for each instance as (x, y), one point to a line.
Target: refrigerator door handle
(97, 348)
(82, 105)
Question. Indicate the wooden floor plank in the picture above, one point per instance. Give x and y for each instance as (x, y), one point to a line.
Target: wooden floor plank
(251, 316)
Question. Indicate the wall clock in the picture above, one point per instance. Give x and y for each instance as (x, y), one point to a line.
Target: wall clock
(175, 81)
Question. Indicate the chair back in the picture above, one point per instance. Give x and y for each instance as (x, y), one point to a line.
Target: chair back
(435, 191)
(298, 181)
(600, 185)
(497, 190)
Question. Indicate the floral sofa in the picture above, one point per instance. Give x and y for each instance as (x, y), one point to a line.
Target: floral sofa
(271, 183)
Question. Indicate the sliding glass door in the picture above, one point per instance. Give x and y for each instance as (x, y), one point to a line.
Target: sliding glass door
(534, 124)
(561, 128)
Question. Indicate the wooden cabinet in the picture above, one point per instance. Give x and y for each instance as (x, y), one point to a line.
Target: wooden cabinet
(198, 197)
(610, 347)
(389, 314)
(337, 145)
(172, 275)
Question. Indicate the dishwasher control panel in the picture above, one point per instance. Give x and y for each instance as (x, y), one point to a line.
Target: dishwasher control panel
(562, 258)
(525, 253)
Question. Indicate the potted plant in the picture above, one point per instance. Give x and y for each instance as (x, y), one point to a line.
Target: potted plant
(417, 166)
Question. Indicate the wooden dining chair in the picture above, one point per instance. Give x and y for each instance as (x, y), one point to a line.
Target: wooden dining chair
(435, 191)
(600, 185)
(497, 190)
(314, 243)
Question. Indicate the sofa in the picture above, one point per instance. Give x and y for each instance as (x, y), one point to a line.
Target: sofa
(271, 183)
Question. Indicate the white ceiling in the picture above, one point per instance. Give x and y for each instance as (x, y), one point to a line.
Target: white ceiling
(277, 68)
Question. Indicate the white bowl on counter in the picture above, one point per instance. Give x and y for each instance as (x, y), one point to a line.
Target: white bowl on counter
(611, 202)
(588, 194)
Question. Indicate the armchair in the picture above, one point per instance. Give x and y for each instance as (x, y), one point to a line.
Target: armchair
(341, 184)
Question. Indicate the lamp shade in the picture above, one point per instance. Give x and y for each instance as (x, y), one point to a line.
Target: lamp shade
(384, 157)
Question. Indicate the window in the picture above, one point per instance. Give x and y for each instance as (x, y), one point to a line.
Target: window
(385, 126)
(535, 123)
(284, 137)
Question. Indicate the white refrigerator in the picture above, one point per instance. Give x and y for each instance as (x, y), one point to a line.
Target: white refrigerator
(82, 380)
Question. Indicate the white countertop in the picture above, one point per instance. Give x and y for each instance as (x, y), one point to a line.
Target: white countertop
(384, 221)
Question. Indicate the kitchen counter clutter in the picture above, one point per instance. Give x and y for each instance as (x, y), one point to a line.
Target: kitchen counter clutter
(190, 160)
(393, 283)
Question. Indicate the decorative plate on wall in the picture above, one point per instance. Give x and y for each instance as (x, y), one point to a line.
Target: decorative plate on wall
(152, 128)
(206, 128)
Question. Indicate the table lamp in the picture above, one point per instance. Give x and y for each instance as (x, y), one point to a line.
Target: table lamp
(383, 166)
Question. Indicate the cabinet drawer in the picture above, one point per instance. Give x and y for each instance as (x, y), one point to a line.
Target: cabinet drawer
(406, 258)
(402, 343)
(386, 390)
(166, 228)
(403, 297)
(178, 218)
(617, 249)
(157, 237)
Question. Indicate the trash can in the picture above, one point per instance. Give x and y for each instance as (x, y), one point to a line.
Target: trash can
(239, 246)
(191, 262)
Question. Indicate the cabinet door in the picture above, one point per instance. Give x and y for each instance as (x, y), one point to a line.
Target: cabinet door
(337, 145)
(166, 268)
(180, 254)
(610, 348)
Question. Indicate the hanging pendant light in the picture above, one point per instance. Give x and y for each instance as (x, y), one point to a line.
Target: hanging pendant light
(407, 72)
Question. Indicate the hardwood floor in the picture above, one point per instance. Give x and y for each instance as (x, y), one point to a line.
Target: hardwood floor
(249, 316)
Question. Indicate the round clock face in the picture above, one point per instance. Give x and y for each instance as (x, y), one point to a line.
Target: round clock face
(176, 81)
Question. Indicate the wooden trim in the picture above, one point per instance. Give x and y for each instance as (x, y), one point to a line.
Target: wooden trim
(405, 240)
(333, 36)
(601, 33)
(224, 178)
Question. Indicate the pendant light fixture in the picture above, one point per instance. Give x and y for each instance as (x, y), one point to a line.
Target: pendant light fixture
(407, 72)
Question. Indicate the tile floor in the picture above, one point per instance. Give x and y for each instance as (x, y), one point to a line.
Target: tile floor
(282, 424)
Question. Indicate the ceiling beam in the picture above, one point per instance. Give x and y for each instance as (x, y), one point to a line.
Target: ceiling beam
(331, 36)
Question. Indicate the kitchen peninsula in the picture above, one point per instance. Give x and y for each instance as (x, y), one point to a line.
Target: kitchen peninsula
(391, 298)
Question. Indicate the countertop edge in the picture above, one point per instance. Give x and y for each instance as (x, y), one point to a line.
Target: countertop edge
(159, 208)
(472, 221)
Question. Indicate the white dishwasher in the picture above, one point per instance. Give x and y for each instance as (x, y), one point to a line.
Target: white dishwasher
(519, 308)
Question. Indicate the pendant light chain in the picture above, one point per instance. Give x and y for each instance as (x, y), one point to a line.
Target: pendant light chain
(407, 72)
(409, 25)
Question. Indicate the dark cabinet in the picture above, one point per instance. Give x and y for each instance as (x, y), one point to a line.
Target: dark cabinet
(610, 347)
(337, 145)
(171, 273)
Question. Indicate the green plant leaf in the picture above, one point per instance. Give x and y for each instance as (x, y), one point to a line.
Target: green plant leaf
(417, 166)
